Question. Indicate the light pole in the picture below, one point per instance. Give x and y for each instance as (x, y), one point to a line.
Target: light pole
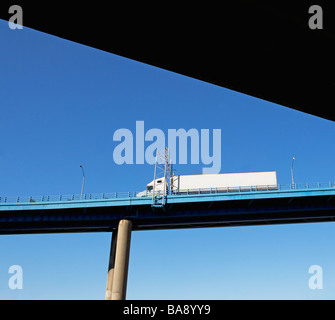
(292, 172)
(82, 187)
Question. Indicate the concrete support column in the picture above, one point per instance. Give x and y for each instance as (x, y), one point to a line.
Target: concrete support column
(121, 262)
(111, 267)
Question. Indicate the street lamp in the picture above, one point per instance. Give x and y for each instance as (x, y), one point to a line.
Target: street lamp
(82, 187)
(292, 172)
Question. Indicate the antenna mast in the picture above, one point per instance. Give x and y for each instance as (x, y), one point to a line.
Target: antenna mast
(163, 170)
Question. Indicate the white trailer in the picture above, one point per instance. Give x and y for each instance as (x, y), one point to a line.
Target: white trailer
(222, 182)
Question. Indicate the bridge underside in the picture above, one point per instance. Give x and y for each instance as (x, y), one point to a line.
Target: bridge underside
(262, 48)
(246, 212)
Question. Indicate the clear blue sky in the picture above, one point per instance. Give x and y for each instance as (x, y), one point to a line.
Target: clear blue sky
(61, 103)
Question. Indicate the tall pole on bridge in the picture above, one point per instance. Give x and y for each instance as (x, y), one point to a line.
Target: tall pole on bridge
(82, 187)
(292, 172)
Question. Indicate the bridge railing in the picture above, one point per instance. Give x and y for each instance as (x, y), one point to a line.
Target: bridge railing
(116, 195)
(71, 197)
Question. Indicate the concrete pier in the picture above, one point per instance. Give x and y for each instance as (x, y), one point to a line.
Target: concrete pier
(119, 262)
(111, 267)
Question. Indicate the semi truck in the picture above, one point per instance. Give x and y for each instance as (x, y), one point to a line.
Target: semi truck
(221, 182)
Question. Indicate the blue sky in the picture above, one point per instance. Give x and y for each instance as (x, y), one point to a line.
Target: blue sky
(61, 103)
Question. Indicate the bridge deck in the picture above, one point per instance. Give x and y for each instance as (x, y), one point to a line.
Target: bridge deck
(191, 208)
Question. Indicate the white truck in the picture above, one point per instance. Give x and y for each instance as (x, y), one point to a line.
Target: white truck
(221, 182)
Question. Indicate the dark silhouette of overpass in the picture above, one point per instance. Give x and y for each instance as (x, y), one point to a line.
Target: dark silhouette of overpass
(264, 49)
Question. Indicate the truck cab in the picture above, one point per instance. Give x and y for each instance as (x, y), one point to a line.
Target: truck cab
(158, 184)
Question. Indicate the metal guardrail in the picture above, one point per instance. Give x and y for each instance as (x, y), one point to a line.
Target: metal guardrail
(64, 198)
(116, 195)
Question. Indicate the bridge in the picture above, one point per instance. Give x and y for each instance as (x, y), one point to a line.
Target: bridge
(121, 213)
(190, 208)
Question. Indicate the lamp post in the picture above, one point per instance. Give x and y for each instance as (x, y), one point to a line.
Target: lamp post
(292, 172)
(82, 187)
